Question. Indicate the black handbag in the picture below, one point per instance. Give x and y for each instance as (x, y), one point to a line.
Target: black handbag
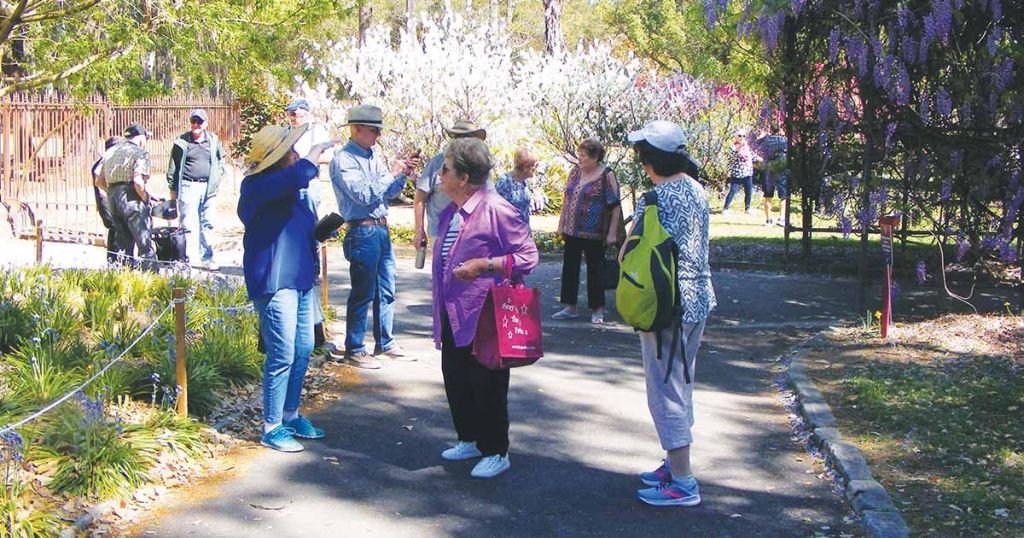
(608, 276)
(326, 227)
(170, 243)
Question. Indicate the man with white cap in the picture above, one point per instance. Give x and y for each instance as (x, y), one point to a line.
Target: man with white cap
(193, 176)
(363, 186)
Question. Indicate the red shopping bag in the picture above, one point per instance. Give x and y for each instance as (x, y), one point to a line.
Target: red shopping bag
(509, 332)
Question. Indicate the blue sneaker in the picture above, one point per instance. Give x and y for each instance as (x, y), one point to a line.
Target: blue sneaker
(671, 494)
(280, 438)
(657, 476)
(302, 428)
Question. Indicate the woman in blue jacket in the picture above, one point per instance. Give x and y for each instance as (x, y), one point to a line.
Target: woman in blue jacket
(279, 270)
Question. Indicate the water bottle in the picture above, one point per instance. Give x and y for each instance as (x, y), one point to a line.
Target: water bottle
(421, 254)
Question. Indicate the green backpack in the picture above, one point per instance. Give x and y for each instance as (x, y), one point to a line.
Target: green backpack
(648, 293)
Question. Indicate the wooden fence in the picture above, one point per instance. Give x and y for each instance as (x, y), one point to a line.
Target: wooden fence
(48, 146)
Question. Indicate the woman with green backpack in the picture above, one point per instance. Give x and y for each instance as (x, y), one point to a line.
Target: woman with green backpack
(678, 211)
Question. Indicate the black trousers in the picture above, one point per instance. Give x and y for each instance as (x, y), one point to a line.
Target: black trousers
(477, 396)
(575, 249)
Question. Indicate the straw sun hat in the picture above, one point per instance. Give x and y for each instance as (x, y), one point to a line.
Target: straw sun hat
(270, 144)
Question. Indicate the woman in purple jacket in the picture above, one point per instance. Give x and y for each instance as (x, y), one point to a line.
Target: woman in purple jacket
(479, 232)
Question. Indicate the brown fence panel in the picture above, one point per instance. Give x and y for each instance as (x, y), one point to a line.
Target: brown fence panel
(48, 146)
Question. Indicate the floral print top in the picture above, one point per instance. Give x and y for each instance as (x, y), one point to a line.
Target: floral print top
(585, 202)
(516, 192)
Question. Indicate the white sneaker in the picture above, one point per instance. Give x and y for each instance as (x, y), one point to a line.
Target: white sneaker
(490, 466)
(461, 451)
(210, 265)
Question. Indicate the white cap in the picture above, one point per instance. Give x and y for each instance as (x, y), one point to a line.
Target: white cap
(665, 136)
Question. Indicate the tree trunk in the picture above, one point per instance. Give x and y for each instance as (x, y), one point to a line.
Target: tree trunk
(365, 17)
(554, 41)
(509, 10)
(492, 14)
(410, 16)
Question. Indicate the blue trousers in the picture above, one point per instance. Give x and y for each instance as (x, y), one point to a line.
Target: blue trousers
(286, 322)
(734, 186)
(371, 268)
(192, 201)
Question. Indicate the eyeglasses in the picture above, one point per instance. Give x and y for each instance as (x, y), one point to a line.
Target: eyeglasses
(196, 121)
(445, 169)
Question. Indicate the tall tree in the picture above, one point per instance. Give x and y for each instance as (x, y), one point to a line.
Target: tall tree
(554, 40)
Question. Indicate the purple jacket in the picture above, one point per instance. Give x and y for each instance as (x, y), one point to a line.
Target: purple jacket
(491, 227)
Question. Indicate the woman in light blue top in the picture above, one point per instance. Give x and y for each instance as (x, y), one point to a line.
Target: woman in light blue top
(512, 185)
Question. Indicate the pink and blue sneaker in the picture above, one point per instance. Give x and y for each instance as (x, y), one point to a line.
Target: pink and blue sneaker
(671, 493)
(657, 476)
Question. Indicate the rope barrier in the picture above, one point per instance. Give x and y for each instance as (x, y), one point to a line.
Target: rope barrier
(64, 398)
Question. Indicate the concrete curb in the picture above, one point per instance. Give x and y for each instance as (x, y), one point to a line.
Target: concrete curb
(878, 515)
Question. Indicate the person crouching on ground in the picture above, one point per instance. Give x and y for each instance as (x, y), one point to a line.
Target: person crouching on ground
(277, 262)
(683, 212)
(478, 233)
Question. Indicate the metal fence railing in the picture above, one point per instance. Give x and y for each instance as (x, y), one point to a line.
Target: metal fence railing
(48, 145)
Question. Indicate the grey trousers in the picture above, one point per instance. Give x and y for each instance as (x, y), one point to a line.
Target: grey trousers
(671, 403)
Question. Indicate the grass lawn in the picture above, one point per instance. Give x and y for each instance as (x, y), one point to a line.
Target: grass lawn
(936, 410)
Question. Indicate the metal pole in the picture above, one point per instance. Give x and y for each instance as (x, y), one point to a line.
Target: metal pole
(181, 373)
(323, 276)
(39, 241)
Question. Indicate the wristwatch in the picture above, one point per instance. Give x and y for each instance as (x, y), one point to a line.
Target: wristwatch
(490, 265)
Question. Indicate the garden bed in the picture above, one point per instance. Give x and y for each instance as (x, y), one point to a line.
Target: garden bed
(936, 410)
(118, 443)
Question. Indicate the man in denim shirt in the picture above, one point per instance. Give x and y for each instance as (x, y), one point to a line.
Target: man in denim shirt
(363, 186)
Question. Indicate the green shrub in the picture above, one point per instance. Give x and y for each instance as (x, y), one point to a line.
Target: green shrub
(204, 384)
(23, 514)
(35, 380)
(88, 455)
(15, 324)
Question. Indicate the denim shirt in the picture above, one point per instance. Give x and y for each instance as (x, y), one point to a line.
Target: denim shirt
(362, 184)
(491, 228)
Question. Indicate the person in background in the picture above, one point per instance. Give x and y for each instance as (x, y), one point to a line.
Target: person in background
(683, 212)
(298, 114)
(741, 170)
(277, 262)
(103, 203)
(513, 186)
(430, 200)
(124, 175)
(193, 176)
(590, 192)
(363, 187)
(774, 168)
(481, 233)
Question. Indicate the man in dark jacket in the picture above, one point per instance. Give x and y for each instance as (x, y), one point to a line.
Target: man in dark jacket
(103, 203)
(193, 175)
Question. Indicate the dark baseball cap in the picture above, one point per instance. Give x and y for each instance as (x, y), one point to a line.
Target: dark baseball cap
(296, 105)
(136, 129)
(199, 113)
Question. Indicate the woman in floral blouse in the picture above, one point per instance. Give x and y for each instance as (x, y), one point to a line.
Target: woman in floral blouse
(741, 170)
(590, 205)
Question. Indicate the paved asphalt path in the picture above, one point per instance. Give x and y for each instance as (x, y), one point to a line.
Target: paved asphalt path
(580, 434)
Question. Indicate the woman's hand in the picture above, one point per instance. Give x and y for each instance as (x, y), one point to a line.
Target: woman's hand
(470, 269)
(613, 236)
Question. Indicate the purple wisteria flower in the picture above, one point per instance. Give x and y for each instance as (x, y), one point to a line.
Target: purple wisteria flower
(833, 45)
(711, 13)
(909, 49)
(894, 291)
(921, 272)
(942, 15)
(943, 104)
(890, 130)
(996, 7)
(846, 226)
(947, 190)
(962, 246)
(966, 113)
(925, 106)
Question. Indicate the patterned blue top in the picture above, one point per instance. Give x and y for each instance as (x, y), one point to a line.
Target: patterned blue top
(683, 211)
(773, 147)
(584, 203)
(362, 184)
(516, 192)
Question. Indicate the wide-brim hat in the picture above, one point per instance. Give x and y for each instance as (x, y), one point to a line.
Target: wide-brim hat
(368, 115)
(463, 128)
(270, 144)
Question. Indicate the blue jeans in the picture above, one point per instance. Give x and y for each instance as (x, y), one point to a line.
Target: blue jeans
(372, 272)
(192, 202)
(286, 321)
(734, 186)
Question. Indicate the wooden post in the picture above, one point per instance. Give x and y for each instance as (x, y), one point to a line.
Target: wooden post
(323, 276)
(181, 374)
(39, 241)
